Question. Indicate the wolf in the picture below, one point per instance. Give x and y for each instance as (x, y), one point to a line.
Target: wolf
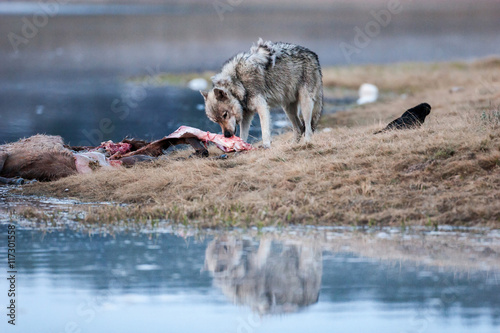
(270, 75)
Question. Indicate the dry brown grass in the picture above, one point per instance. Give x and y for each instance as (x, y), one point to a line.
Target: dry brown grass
(444, 173)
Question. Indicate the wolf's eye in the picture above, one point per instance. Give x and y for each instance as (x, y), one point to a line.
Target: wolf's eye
(224, 115)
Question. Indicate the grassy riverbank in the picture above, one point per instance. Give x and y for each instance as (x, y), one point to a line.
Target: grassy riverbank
(447, 172)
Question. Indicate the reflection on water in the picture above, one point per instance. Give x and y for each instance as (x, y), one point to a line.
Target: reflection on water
(270, 277)
(323, 280)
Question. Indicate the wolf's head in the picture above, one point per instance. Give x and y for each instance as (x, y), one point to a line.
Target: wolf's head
(224, 109)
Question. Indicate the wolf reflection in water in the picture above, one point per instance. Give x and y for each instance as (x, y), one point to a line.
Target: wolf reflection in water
(271, 277)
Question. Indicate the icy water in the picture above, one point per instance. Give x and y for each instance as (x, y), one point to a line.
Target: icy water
(89, 111)
(72, 279)
(67, 75)
(70, 79)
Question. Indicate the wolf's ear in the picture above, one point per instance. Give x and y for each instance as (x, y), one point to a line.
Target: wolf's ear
(204, 94)
(220, 94)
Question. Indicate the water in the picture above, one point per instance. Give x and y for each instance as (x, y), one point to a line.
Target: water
(92, 110)
(97, 280)
(69, 75)
(70, 79)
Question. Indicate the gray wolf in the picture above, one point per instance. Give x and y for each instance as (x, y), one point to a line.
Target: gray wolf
(412, 118)
(270, 75)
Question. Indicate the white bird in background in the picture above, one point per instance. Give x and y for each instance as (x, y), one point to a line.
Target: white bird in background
(198, 84)
(368, 93)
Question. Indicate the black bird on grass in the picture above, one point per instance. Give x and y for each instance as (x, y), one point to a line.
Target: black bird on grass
(412, 118)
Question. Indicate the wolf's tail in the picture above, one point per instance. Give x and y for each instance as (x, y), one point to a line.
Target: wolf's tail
(317, 108)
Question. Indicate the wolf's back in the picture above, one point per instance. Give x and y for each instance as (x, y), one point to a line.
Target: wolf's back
(268, 53)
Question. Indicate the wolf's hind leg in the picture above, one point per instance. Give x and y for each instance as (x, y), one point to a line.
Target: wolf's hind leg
(306, 108)
(292, 112)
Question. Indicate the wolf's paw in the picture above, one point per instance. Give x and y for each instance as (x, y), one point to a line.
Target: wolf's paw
(297, 137)
(299, 147)
(308, 145)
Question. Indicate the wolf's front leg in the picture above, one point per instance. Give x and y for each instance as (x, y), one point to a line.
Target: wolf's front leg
(265, 124)
(245, 125)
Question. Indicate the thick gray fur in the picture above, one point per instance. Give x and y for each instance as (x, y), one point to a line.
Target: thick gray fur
(270, 75)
